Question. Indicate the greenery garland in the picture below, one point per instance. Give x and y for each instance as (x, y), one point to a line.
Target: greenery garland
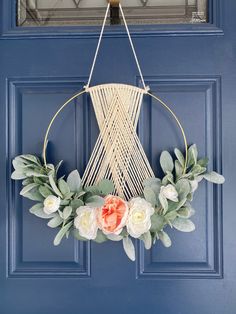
(93, 213)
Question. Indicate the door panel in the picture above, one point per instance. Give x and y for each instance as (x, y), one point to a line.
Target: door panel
(196, 76)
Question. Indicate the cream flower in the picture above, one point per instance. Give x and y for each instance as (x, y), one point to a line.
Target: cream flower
(86, 222)
(139, 219)
(169, 192)
(51, 204)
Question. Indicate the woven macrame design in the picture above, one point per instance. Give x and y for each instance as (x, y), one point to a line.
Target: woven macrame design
(118, 154)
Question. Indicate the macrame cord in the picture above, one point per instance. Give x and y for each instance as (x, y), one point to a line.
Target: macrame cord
(118, 154)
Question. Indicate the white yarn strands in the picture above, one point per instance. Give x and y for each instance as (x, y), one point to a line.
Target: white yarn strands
(118, 154)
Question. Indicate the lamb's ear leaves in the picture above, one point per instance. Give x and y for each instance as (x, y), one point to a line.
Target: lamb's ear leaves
(147, 240)
(165, 239)
(74, 181)
(214, 177)
(184, 225)
(166, 162)
(62, 233)
(129, 248)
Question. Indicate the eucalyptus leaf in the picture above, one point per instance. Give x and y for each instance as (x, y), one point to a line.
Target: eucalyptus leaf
(61, 233)
(74, 181)
(184, 225)
(106, 187)
(214, 177)
(95, 201)
(129, 248)
(149, 195)
(166, 162)
(165, 239)
(76, 204)
(55, 222)
(151, 181)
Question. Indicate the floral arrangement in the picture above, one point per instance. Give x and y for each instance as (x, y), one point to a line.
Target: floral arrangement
(93, 213)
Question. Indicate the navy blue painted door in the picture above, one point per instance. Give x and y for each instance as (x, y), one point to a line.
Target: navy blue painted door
(195, 71)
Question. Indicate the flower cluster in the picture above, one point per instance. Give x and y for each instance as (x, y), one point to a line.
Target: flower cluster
(95, 213)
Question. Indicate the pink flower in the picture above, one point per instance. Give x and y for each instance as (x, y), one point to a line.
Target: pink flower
(112, 216)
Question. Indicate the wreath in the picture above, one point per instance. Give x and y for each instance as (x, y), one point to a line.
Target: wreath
(94, 213)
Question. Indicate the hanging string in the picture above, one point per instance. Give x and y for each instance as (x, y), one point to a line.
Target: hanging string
(146, 88)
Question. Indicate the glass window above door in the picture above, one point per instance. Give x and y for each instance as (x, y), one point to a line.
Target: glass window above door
(91, 12)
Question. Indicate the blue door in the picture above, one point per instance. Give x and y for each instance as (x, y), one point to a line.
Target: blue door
(191, 67)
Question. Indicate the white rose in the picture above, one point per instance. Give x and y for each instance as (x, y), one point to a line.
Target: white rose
(169, 192)
(51, 204)
(86, 222)
(139, 219)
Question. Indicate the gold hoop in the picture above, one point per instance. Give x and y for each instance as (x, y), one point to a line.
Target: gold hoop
(148, 93)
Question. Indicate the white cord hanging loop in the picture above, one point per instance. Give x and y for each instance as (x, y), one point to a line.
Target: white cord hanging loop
(146, 88)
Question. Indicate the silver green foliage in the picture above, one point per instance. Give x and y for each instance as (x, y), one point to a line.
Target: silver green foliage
(39, 182)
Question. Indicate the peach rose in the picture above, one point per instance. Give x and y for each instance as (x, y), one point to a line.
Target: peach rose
(112, 215)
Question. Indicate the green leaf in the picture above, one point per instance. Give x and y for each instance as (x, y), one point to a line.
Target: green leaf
(170, 216)
(54, 186)
(64, 187)
(100, 238)
(31, 158)
(28, 188)
(67, 212)
(192, 155)
(178, 169)
(129, 248)
(149, 195)
(74, 181)
(95, 201)
(214, 177)
(203, 162)
(166, 162)
(114, 237)
(165, 239)
(27, 181)
(158, 222)
(61, 233)
(34, 195)
(76, 204)
(184, 225)
(106, 187)
(183, 188)
(45, 191)
(77, 235)
(147, 240)
(164, 202)
(34, 173)
(186, 212)
(151, 181)
(18, 175)
(180, 157)
(58, 166)
(37, 210)
(176, 205)
(55, 222)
